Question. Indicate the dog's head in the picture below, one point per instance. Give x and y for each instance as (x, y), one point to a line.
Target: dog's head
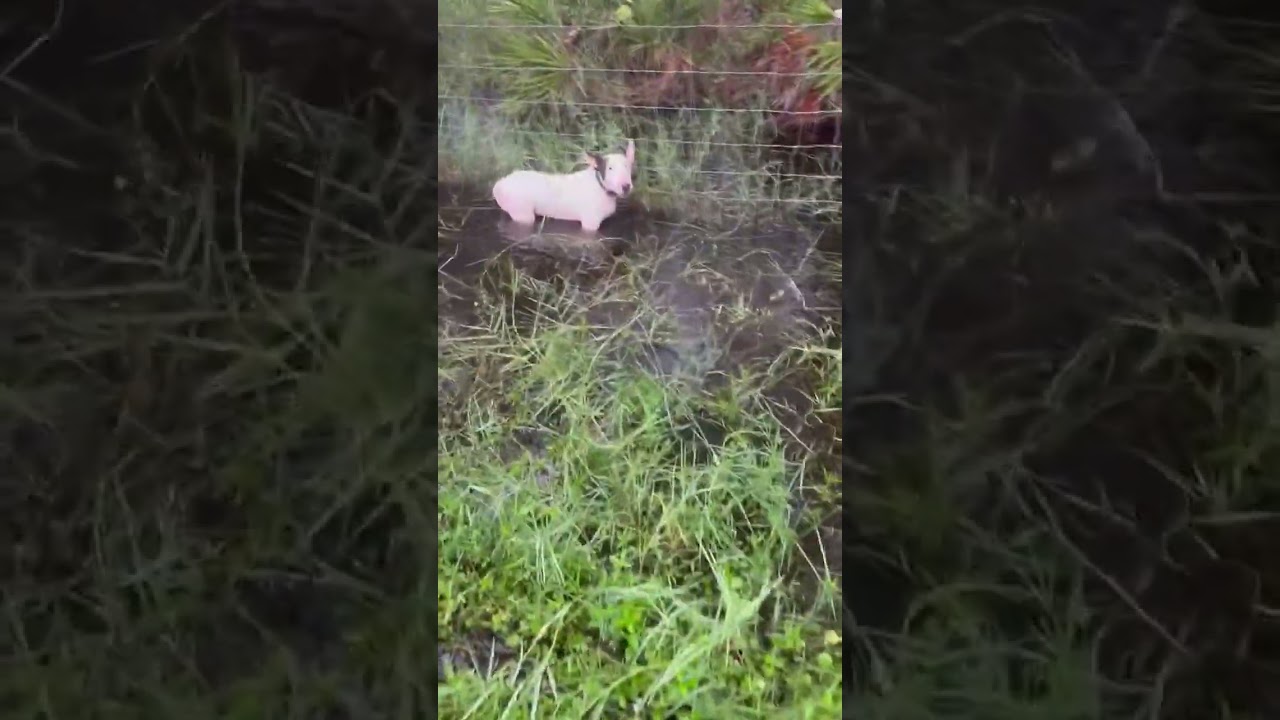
(614, 170)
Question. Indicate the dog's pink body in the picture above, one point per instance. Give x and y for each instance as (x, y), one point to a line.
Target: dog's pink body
(588, 196)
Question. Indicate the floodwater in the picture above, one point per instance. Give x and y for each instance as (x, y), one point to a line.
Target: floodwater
(726, 298)
(780, 278)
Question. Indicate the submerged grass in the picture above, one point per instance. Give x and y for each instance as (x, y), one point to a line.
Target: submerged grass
(631, 539)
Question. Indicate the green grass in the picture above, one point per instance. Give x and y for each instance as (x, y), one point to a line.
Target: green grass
(219, 414)
(1063, 443)
(631, 537)
(552, 98)
(222, 498)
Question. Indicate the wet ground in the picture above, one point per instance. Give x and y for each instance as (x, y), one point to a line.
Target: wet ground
(713, 301)
(779, 274)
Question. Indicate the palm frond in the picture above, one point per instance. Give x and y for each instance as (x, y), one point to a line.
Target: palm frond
(543, 62)
(826, 62)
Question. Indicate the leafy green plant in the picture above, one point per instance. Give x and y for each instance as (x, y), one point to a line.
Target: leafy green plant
(805, 12)
(826, 61)
(539, 67)
(650, 38)
(527, 12)
(707, 163)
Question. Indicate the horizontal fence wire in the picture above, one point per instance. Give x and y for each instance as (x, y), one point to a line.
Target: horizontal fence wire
(669, 141)
(718, 197)
(480, 100)
(754, 173)
(411, 168)
(763, 172)
(637, 71)
(768, 173)
(629, 26)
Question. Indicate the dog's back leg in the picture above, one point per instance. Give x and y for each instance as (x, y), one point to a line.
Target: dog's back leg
(519, 208)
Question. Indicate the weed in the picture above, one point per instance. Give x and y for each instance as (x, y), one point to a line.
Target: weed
(631, 536)
(620, 537)
(711, 134)
(1062, 389)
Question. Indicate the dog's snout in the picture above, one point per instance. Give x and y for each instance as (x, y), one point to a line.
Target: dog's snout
(626, 188)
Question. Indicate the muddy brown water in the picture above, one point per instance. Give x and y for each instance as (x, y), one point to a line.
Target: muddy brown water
(782, 277)
(781, 280)
(725, 298)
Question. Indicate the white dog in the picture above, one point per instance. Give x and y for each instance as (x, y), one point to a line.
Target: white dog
(587, 196)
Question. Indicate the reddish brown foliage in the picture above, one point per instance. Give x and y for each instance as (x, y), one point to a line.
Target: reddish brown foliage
(672, 85)
(669, 76)
(790, 92)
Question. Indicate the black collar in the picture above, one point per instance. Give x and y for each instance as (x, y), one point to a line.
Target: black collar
(600, 179)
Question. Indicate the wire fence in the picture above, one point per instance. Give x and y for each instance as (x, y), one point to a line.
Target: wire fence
(778, 145)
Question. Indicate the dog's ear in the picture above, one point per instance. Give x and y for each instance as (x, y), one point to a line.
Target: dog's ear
(593, 160)
(631, 152)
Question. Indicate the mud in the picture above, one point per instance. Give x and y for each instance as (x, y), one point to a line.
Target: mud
(718, 300)
(780, 274)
